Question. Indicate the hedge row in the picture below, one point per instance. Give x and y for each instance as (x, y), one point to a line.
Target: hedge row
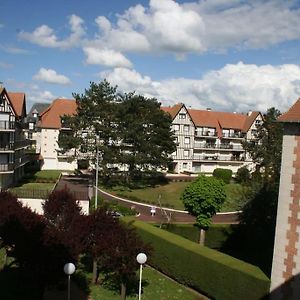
(213, 273)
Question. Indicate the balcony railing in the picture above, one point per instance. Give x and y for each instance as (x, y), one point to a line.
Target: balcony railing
(6, 167)
(206, 133)
(218, 158)
(236, 135)
(6, 147)
(219, 147)
(6, 125)
(22, 143)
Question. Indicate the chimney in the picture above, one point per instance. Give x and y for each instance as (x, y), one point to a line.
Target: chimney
(208, 109)
(249, 113)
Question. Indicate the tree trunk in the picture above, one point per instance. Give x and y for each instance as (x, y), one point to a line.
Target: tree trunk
(123, 291)
(95, 272)
(201, 237)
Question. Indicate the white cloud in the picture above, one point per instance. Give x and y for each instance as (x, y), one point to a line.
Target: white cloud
(14, 50)
(236, 87)
(4, 65)
(50, 76)
(45, 36)
(167, 26)
(106, 57)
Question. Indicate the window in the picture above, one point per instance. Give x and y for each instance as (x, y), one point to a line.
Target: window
(182, 116)
(186, 153)
(31, 126)
(186, 128)
(186, 140)
(184, 166)
(176, 127)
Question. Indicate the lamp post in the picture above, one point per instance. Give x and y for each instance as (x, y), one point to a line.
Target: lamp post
(97, 171)
(141, 259)
(69, 269)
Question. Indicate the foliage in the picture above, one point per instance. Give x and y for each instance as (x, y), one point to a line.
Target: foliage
(257, 225)
(266, 150)
(127, 130)
(224, 174)
(208, 271)
(203, 198)
(243, 175)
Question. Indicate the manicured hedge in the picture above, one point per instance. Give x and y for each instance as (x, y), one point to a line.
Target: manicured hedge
(224, 174)
(211, 272)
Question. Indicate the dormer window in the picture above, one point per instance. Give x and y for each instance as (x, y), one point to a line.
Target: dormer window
(35, 115)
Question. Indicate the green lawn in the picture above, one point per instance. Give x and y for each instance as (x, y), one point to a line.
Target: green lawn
(48, 174)
(170, 195)
(32, 190)
(155, 286)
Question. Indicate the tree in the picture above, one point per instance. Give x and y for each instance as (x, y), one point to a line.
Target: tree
(128, 130)
(266, 150)
(253, 239)
(202, 199)
(243, 175)
(147, 141)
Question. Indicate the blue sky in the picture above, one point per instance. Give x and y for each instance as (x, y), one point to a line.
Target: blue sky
(229, 55)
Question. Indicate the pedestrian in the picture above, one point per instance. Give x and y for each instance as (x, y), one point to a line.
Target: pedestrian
(153, 211)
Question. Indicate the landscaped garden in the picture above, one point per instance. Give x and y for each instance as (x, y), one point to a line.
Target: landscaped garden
(169, 195)
(36, 184)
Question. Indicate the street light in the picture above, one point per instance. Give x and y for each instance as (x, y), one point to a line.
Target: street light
(141, 259)
(69, 269)
(97, 172)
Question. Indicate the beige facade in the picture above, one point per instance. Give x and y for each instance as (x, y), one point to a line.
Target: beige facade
(201, 148)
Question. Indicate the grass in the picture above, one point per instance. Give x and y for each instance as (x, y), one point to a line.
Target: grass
(48, 174)
(155, 286)
(171, 192)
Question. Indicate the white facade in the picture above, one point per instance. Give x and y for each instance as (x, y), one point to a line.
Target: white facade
(52, 160)
(202, 149)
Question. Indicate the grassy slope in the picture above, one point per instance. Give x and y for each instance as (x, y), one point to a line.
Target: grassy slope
(155, 286)
(170, 195)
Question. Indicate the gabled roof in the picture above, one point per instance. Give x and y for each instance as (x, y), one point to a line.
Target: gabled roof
(292, 115)
(37, 108)
(51, 117)
(18, 103)
(218, 120)
(173, 110)
(249, 121)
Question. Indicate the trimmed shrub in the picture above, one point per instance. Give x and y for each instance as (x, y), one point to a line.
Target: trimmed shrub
(243, 175)
(211, 272)
(224, 174)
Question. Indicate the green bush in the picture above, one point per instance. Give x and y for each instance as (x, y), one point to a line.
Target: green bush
(243, 175)
(223, 174)
(211, 272)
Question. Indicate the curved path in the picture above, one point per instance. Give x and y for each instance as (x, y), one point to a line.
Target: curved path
(83, 190)
(165, 214)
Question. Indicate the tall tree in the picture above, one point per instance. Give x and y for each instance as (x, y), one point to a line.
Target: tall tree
(266, 150)
(203, 198)
(146, 138)
(253, 239)
(128, 130)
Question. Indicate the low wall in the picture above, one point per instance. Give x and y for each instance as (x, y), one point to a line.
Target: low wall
(36, 205)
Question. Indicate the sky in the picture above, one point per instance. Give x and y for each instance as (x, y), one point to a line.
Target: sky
(227, 55)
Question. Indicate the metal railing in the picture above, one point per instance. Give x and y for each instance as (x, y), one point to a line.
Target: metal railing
(237, 135)
(7, 125)
(6, 167)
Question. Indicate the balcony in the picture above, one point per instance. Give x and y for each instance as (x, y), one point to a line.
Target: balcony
(235, 135)
(218, 146)
(211, 158)
(6, 147)
(206, 134)
(6, 168)
(7, 125)
(22, 144)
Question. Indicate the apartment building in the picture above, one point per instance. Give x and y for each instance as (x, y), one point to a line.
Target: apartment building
(207, 140)
(13, 142)
(32, 119)
(48, 128)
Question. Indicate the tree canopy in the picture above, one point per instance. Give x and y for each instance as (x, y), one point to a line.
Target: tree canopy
(129, 130)
(203, 198)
